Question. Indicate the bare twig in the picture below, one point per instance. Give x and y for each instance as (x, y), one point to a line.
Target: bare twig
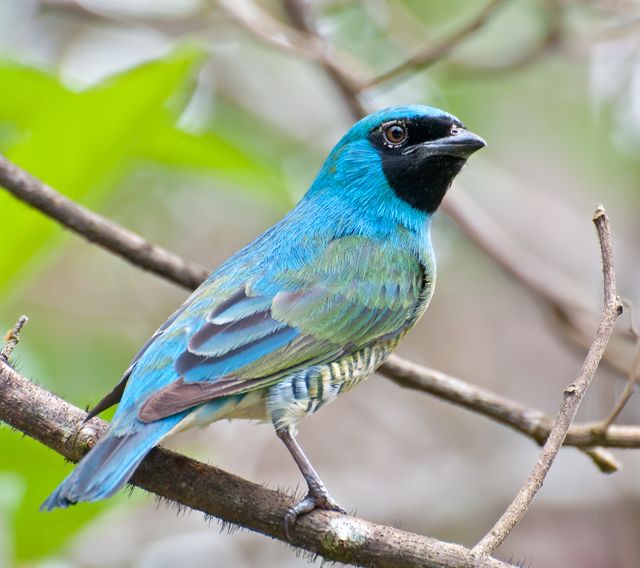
(301, 17)
(12, 338)
(267, 29)
(633, 376)
(432, 54)
(58, 424)
(566, 300)
(303, 41)
(627, 393)
(98, 229)
(550, 39)
(573, 395)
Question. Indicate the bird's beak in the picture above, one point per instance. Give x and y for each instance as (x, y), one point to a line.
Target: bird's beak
(459, 145)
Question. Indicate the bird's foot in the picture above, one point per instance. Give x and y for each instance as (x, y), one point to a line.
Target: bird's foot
(315, 500)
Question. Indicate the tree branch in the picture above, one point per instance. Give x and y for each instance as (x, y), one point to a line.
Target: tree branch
(303, 40)
(550, 39)
(429, 55)
(58, 424)
(529, 421)
(98, 229)
(259, 23)
(301, 17)
(573, 395)
(632, 376)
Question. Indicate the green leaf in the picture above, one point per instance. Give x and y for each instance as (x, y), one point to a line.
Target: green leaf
(76, 141)
(164, 142)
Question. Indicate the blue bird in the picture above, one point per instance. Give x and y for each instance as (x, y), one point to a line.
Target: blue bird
(300, 315)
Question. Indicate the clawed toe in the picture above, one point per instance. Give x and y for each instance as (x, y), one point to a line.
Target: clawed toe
(306, 505)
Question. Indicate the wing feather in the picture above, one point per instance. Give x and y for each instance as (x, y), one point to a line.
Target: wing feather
(269, 327)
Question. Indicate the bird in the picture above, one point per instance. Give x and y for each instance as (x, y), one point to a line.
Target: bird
(299, 316)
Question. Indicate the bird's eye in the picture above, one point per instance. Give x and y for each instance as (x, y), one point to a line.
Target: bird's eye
(394, 134)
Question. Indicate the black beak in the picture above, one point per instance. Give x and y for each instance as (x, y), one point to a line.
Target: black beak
(461, 144)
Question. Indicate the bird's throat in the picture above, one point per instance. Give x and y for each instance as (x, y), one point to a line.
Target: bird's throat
(422, 183)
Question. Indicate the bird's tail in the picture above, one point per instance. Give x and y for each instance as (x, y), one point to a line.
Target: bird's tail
(108, 466)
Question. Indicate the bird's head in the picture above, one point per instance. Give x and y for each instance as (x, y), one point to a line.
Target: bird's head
(411, 153)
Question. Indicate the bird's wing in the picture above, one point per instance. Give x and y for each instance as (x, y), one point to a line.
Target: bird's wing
(355, 292)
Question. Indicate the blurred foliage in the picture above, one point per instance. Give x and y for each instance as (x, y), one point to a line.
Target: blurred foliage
(29, 459)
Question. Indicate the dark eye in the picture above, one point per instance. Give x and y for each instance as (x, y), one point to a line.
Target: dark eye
(395, 133)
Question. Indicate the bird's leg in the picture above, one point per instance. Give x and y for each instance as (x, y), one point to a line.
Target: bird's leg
(318, 496)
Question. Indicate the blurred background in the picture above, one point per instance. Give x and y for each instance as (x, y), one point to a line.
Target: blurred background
(191, 123)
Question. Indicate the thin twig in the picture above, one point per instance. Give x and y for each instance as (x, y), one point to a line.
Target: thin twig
(301, 17)
(633, 375)
(97, 229)
(546, 44)
(432, 54)
(12, 338)
(573, 395)
(627, 393)
(267, 29)
(565, 298)
(340, 538)
(303, 40)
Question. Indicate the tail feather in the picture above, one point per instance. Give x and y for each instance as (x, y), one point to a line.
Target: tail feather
(108, 466)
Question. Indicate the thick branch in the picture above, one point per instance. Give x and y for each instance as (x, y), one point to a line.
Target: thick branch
(573, 395)
(98, 229)
(54, 422)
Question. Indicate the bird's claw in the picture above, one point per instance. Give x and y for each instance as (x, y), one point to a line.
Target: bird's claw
(306, 505)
